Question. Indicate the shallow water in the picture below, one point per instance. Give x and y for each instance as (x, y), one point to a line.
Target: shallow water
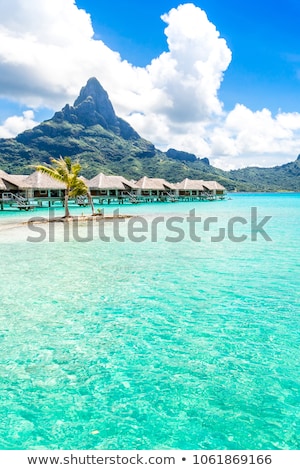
(157, 344)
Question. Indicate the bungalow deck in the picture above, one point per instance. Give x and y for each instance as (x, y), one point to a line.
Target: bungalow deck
(40, 202)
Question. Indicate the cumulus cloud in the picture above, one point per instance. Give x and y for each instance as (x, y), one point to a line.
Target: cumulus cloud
(183, 83)
(48, 51)
(248, 138)
(14, 125)
(192, 71)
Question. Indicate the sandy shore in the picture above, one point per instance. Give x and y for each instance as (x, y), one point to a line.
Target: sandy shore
(81, 218)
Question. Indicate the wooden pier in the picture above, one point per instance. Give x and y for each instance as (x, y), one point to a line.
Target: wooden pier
(17, 202)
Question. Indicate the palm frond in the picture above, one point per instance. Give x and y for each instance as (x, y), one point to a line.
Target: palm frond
(78, 189)
(63, 170)
(76, 168)
(68, 163)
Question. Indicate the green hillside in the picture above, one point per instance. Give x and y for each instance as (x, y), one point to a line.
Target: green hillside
(90, 131)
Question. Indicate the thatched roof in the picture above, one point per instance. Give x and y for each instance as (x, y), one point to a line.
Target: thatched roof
(85, 180)
(102, 181)
(199, 185)
(2, 185)
(8, 182)
(154, 183)
(190, 185)
(213, 185)
(19, 179)
(38, 180)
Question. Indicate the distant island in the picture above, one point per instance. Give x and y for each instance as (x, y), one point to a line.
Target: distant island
(90, 131)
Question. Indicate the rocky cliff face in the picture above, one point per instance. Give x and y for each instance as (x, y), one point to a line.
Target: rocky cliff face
(93, 107)
(185, 156)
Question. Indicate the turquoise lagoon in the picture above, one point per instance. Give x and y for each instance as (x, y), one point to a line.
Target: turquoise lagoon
(153, 345)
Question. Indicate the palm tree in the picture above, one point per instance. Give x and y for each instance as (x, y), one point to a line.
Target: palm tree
(66, 172)
(91, 202)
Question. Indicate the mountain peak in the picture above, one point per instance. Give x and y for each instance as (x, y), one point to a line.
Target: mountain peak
(93, 107)
(94, 90)
(94, 98)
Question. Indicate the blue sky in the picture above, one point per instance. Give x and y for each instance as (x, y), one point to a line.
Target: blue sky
(263, 35)
(232, 96)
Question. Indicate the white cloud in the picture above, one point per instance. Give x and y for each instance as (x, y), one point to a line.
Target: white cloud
(249, 138)
(14, 125)
(47, 53)
(191, 72)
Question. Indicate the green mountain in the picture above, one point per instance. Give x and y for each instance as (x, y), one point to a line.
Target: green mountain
(90, 131)
(285, 177)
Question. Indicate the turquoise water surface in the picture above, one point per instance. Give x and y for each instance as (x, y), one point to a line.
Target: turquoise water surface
(153, 344)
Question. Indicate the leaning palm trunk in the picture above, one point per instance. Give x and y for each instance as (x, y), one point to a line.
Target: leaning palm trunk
(67, 211)
(90, 199)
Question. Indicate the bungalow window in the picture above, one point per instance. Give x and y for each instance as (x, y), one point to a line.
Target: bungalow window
(40, 192)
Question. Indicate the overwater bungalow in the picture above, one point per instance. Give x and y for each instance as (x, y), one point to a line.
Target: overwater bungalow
(21, 190)
(155, 187)
(190, 189)
(10, 192)
(9, 183)
(215, 189)
(111, 187)
(26, 191)
(41, 186)
(199, 189)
